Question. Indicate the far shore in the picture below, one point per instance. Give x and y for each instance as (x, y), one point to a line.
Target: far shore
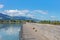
(30, 21)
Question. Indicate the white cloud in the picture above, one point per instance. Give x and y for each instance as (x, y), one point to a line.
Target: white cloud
(27, 13)
(30, 15)
(1, 5)
(16, 12)
(40, 11)
(53, 16)
(42, 17)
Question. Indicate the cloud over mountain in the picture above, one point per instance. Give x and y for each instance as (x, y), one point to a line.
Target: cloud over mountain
(16, 12)
(27, 13)
(40, 11)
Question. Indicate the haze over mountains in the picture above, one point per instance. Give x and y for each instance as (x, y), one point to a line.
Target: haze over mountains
(7, 17)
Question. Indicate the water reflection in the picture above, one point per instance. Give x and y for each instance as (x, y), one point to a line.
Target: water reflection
(9, 31)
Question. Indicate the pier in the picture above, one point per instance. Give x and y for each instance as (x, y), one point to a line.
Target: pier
(34, 31)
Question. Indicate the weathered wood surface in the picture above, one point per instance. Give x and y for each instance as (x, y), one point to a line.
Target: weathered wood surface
(34, 31)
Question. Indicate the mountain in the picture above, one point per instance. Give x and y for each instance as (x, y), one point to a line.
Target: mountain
(21, 18)
(4, 17)
(24, 18)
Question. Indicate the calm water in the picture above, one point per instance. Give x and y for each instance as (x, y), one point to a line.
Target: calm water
(9, 31)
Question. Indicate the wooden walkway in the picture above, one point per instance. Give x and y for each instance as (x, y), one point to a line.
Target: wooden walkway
(33, 32)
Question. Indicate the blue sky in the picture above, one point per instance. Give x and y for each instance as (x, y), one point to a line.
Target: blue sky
(40, 9)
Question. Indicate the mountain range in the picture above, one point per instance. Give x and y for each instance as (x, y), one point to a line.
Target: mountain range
(7, 17)
(4, 17)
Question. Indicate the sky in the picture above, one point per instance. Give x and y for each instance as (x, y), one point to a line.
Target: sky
(39, 9)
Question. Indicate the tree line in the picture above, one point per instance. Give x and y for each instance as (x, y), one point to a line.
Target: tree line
(32, 21)
(50, 22)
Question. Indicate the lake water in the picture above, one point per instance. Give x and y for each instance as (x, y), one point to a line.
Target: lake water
(9, 31)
